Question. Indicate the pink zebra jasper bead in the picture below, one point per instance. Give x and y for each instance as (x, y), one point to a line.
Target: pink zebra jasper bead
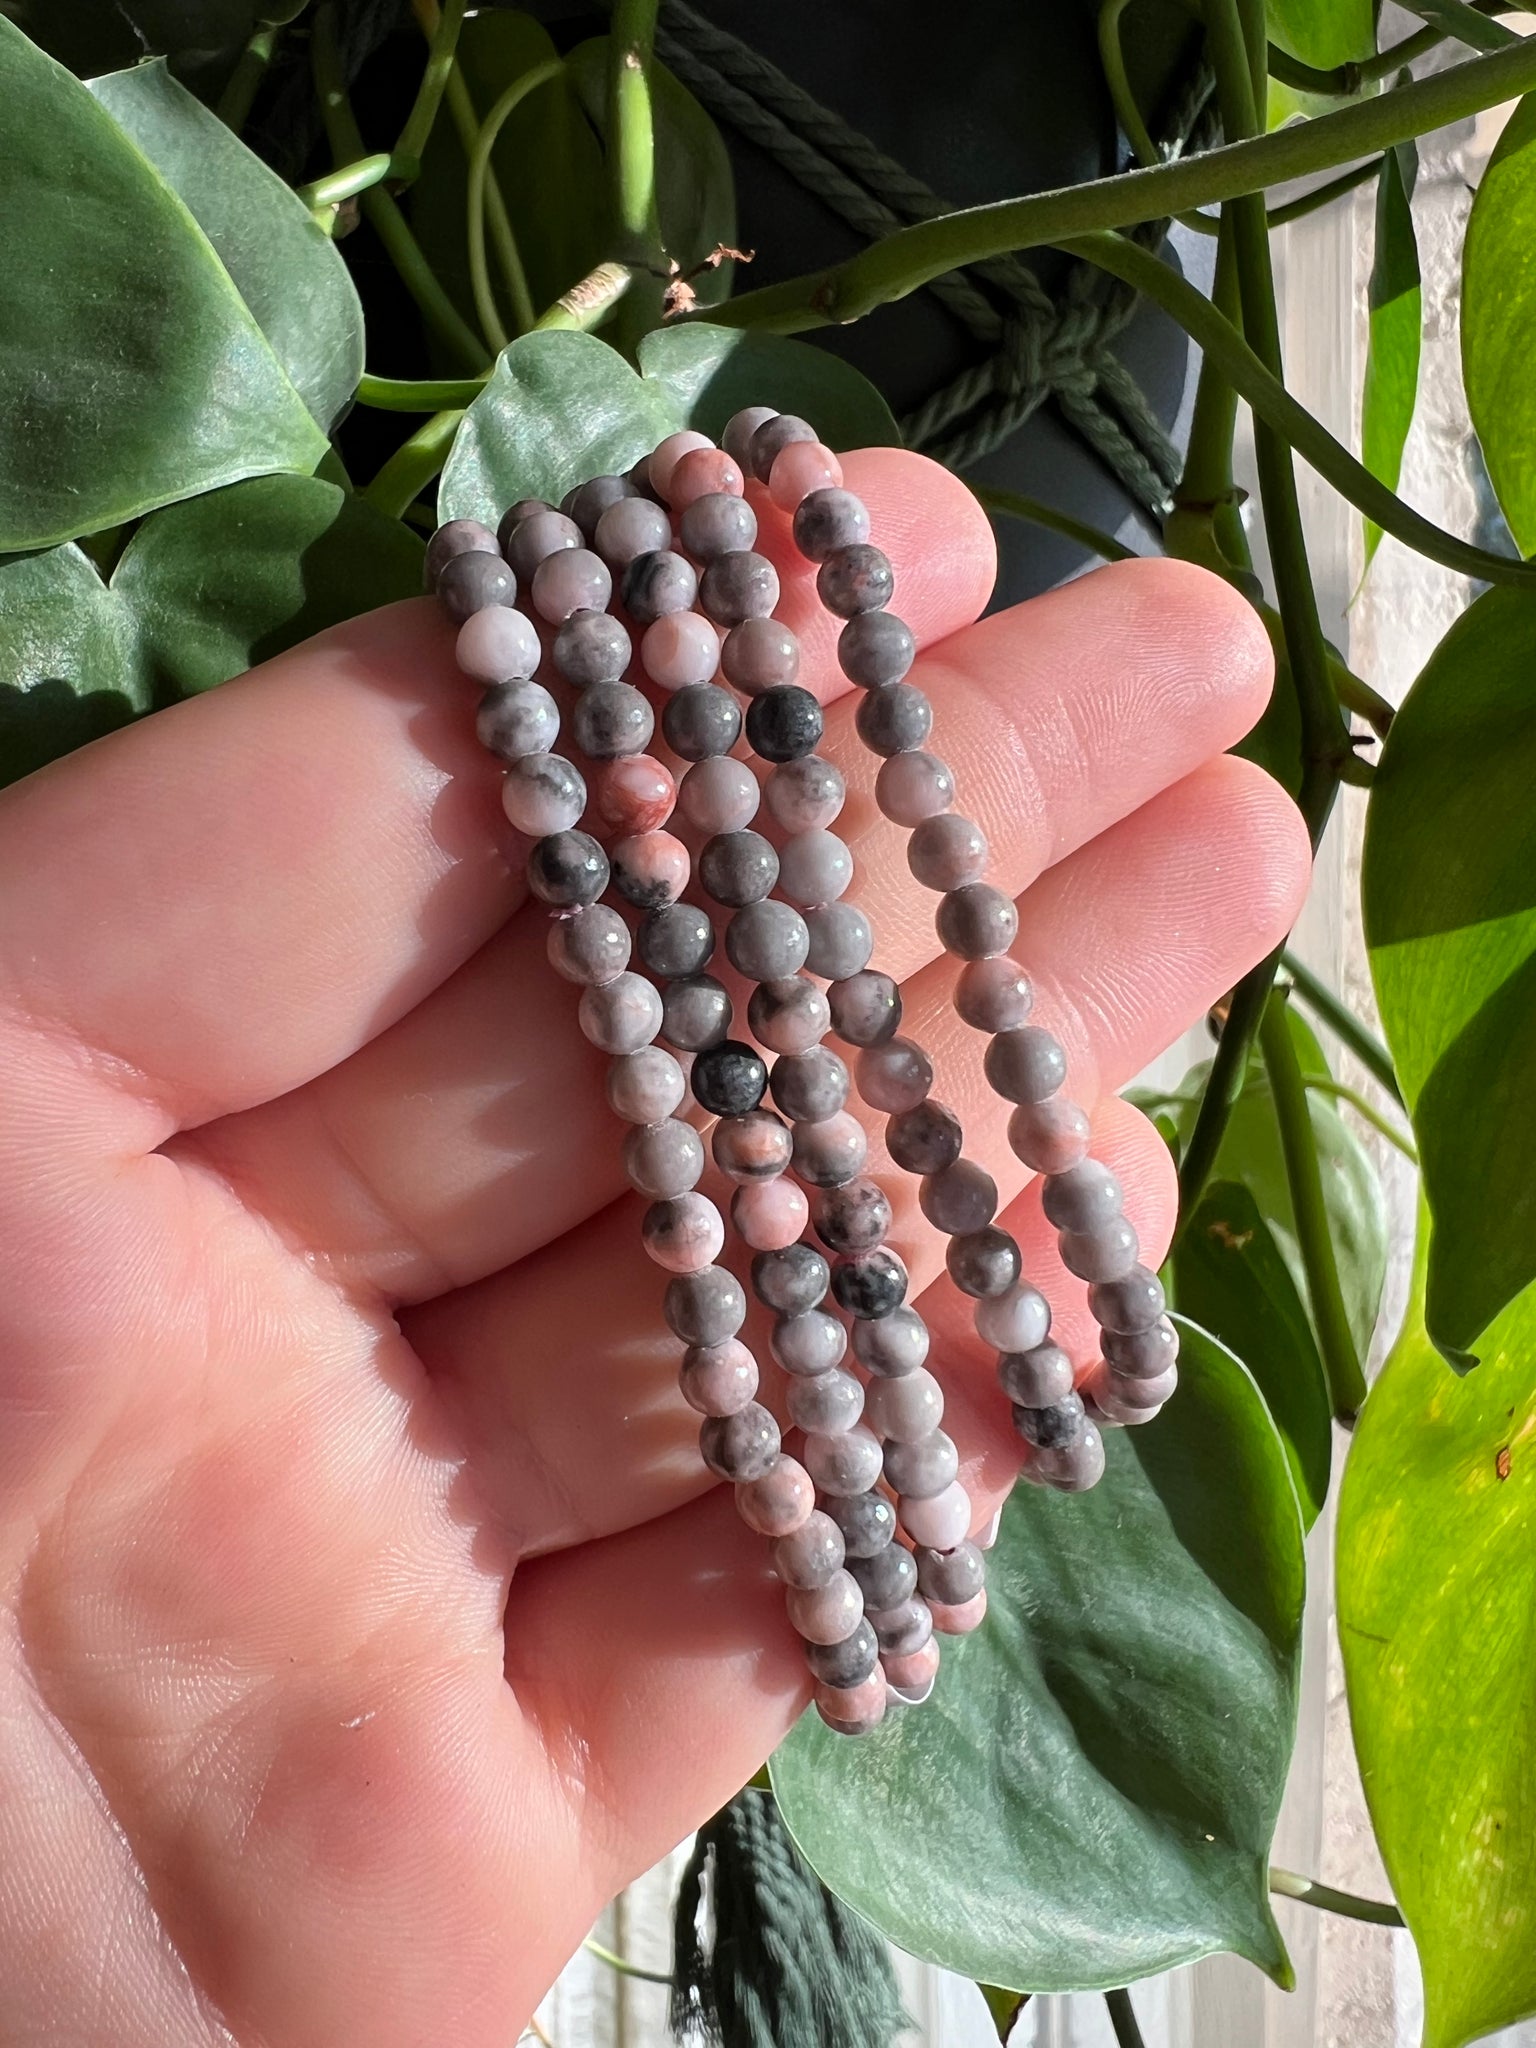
(497, 645)
(718, 1379)
(961, 1620)
(853, 1709)
(800, 468)
(829, 1613)
(1049, 1136)
(811, 1555)
(683, 1235)
(719, 795)
(911, 1679)
(634, 794)
(780, 1501)
(769, 1214)
(703, 473)
(939, 1522)
(679, 649)
(668, 454)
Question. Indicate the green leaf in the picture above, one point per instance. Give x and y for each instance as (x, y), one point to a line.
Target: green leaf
(132, 371)
(286, 268)
(1449, 890)
(1004, 2007)
(713, 372)
(1396, 319)
(1323, 33)
(1089, 1796)
(1498, 321)
(1437, 1624)
(69, 666)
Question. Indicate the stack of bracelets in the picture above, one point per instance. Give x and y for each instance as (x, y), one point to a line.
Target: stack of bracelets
(869, 1524)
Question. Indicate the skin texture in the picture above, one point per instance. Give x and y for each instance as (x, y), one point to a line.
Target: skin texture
(370, 1619)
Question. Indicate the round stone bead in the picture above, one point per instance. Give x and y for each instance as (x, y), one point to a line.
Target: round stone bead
(910, 1680)
(667, 454)
(855, 579)
(866, 1008)
(779, 1501)
(717, 524)
(592, 647)
(1142, 1354)
(741, 1446)
(848, 1462)
(789, 1015)
(718, 1379)
(516, 719)
(893, 1345)
(611, 720)
(959, 1198)
(683, 1234)
(656, 584)
(678, 649)
(589, 501)
(839, 941)
(705, 1308)
(645, 1086)
(701, 722)
(828, 1614)
(805, 795)
(940, 1521)
(1076, 1468)
(456, 537)
(1128, 1305)
(1025, 1065)
(826, 1404)
(739, 429)
(895, 720)
(1107, 1252)
(947, 851)
(960, 1620)
(695, 1013)
(718, 795)
(737, 586)
(913, 787)
(983, 1262)
(773, 434)
(769, 1214)
(497, 645)
(515, 514)
(808, 1342)
(473, 581)
(812, 1555)
(533, 540)
(543, 793)
(1140, 1397)
(887, 1578)
(802, 467)
(664, 1159)
(1015, 1321)
(993, 995)
(751, 1147)
(1083, 1197)
(676, 940)
(767, 941)
(829, 518)
(589, 946)
(575, 580)
(760, 654)
(621, 1015)
(854, 1217)
(875, 650)
(784, 724)
(1036, 1378)
(919, 1470)
(870, 1285)
(907, 1408)
(831, 1152)
(867, 1522)
(952, 1576)
(738, 868)
(810, 1085)
(976, 921)
(633, 795)
(902, 1631)
(926, 1139)
(894, 1076)
(630, 527)
(1052, 1428)
(567, 868)
(650, 869)
(729, 1078)
(703, 473)
(1049, 1136)
(791, 1280)
(814, 867)
(852, 1710)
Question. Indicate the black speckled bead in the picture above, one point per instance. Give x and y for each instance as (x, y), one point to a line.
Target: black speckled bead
(740, 1446)
(784, 724)
(567, 868)
(654, 585)
(737, 586)
(592, 647)
(792, 1280)
(871, 1284)
(701, 721)
(1053, 1428)
(676, 940)
(468, 582)
(737, 868)
(867, 1520)
(852, 1218)
(876, 649)
(695, 1013)
(894, 720)
(855, 579)
(729, 1078)
(611, 721)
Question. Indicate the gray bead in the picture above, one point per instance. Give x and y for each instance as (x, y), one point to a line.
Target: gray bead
(717, 524)
(976, 921)
(1130, 1304)
(829, 519)
(592, 647)
(894, 720)
(870, 1284)
(983, 1263)
(808, 1086)
(925, 1139)
(855, 579)
(468, 582)
(1053, 1428)
(852, 1218)
(589, 501)
(767, 941)
(811, 1556)
(895, 1076)
(848, 1463)
(621, 1015)
(739, 429)
(902, 1631)
(875, 650)
(611, 721)
(737, 586)
(887, 1578)
(573, 581)
(830, 1153)
(1076, 1468)
(946, 851)
(866, 1008)
(847, 1663)
(922, 1469)
(776, 432)
(589, 946)
(695, 1012)
(959, 1198)
(705, 1307)
(867, 1521)
(517, 719)
(1038, 1378)
(514, 516)
(1082, 1197)
(633, 526)
(740, 1446)
(1143, 1354)
(760, 654)
(543, 793)
(738, 868)
(805, 795)
(456, 537)
(952, 1576)
(751, 1147)
(1107, 1252)
(1025, 1065)
(814, 867)
(993, 994)
(1015, 1321)
(789, 1015)
(826, 1402)
(675, 940)
(840, 941)
(791, 1280)
(645, 1086)
(567, 868)
(808, 1342)
(656, 584)
(892, 1345)
(701, 721)
(534, 539)
(664, 1159)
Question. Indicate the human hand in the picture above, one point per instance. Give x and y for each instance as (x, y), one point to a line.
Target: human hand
(371, 1617)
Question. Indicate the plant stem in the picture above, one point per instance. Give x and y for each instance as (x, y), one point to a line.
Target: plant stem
(1317, 1085)
(1466, 24)
(479, 169)
(1324, 195)
(1345, 80)
(1229, 1070)
(414, 464)
(631, 131)
(1298, 1142)
(1343, 1023)
(1206, 484)
(585, 304)
(407, 394)
(244, 82)
(618, 1963)
(1014, 505)
(434, 81)
(1112, 59)
(1122, 2017)
(1289, 1886)
(345, 183)
(905, 261)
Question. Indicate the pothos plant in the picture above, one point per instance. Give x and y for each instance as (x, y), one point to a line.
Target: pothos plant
(187, 388)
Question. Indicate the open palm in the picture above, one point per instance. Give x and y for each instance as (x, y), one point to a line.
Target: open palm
(370, 1618)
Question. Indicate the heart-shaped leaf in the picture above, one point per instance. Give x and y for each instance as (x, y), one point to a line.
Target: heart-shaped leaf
(1396, 316)
(288, 271)
(1498, 320)
(1323, 33)
(1437, 1624)
(1449, 890)
(1089, 1796)
(713, 372)
(69, 663)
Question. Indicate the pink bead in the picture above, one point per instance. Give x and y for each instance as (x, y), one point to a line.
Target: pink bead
(853, 1709)
(1049, 1136)
(913, 1675)
(633, 795)
(718, 1379)
(959, 1621)
(650, 869)
(497, 645)
(684, 1235)
(703, 473)
(778, 1503)
(669, 454)
(940, 1522)
(799, 469)
(719, 795)
(769, 1214)
(829, 1613)
(680, 648)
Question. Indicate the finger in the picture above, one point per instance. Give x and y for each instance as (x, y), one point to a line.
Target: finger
(477, 1129)
(228, 898)
(559, 1470)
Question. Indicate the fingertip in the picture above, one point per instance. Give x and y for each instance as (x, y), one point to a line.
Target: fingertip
(1276, 868)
